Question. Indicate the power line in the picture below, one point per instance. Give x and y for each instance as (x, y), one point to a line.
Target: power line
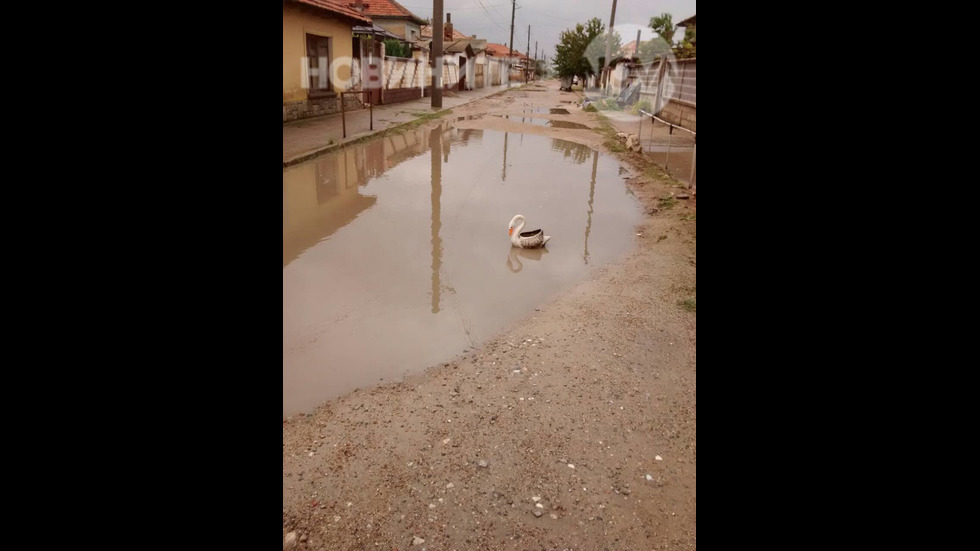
(454, 9)
(490, 16)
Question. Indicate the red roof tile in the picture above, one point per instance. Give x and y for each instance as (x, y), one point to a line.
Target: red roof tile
(389, 8)
(500, 50)
(427, 33)
(336, 7)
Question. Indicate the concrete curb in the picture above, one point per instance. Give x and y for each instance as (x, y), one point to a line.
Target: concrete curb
(381, 133)
(375, 134)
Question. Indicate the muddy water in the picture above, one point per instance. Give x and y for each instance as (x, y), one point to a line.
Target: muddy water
(545, 111)
(547, 122)
(674, 152)
(396, 254)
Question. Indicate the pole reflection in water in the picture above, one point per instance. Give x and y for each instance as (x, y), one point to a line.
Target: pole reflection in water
(504, 175)
(588, 225)
(435, 141)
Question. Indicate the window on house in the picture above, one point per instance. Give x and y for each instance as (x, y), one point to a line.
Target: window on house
(318, 52)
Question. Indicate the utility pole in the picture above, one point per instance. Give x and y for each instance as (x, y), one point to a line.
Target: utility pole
(437, 31)
(605, 62)
(513, 12)
(527, 55)
(535, 59)
(636, 49)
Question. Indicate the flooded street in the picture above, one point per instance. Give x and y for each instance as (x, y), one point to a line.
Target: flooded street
(444, 390)
(396, 254)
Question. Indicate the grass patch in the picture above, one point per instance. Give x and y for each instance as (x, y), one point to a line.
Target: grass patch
(591, 109)
(611, 142)
(689, 304)
(644, 105)
(608, 104)
(606, 128)
(655, 172)
(407, 127)
(690, 218)
(614, 145)
(666, 203)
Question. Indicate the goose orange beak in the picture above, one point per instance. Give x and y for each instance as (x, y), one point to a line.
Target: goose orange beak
(511, 232)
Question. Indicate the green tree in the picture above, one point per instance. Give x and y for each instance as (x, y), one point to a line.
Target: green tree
(571, 57)
(397, 48)
(652, 49)
(663, 25)
(689, 46)
(596, 52)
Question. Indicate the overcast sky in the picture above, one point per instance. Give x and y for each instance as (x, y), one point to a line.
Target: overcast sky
(490, 19)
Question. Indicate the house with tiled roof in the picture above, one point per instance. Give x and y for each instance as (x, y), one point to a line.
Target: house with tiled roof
(628, 50)
(501, 50)
(497, 50)
(451, 33)
(395, 18)
(464, 58)
(317, 38)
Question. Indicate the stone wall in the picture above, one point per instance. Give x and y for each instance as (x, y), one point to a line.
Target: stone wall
(399, 95)
(681, 113)
(296, 110)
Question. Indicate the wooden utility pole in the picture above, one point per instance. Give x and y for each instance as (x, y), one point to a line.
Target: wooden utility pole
(527, 72)
(437, 31)
(535, 59)
(636, 49)
(605, 62)
(513, 12)
(528, 54)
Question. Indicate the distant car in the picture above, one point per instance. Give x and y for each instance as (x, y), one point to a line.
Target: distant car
(574, 81)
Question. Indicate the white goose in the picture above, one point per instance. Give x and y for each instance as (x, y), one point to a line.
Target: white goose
(526, 240)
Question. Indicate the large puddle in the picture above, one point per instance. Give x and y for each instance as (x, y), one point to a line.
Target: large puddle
(396, 254)
(546, 122)
(673, 152)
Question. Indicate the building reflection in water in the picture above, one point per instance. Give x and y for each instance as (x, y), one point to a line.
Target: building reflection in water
(323, 195)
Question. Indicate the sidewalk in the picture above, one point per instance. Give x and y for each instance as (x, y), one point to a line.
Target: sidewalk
(305, 139)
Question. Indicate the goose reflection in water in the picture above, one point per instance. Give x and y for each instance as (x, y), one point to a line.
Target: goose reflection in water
(516, 254)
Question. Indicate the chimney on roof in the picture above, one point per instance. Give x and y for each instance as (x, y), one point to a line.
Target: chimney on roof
(449, 27)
